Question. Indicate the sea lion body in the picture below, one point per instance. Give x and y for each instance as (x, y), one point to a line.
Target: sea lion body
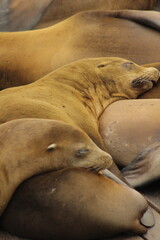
(130, 131)
(78, 93)
(128, 127)
(17, 17)
(41, 51)
(73, 204)
(32, 146)
(58, 12)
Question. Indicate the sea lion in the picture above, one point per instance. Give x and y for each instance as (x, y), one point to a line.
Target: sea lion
(98, 35)
(128, 127)
(57, 12)
(145, 168)
(78, 93)
(15, 16)
(32, 146)
(74, 204)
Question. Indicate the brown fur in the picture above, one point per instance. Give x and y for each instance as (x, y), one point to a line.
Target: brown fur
(78, 93)
(73, 204)
(32, 146)
(59, 11)
(127, 127)
(16, 16)
(97, 35)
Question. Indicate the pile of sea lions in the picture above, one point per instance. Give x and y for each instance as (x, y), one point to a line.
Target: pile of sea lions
(75, 140)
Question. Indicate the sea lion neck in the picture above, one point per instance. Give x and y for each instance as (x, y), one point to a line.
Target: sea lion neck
(83, 79)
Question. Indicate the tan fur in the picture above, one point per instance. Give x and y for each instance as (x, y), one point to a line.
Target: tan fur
(59, 11)
(16, 16)
(155, 91)
(78, 92)
(24, 152)
(84, 35)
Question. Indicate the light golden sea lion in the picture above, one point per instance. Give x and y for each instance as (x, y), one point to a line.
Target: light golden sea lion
(57, 12)
(75, 204)
(33, 146)
(78, 93)
(97, 35)
(16, 16)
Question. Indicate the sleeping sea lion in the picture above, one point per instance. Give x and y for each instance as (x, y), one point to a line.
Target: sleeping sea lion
(98, 35)
(15, 16)
(75, 204)
(57, 12)
(78, 93)
(32, 146)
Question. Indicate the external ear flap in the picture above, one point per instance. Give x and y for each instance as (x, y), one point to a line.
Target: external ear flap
(101, 65)
(51, 147)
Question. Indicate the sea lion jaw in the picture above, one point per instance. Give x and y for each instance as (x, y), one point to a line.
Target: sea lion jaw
(128, 80)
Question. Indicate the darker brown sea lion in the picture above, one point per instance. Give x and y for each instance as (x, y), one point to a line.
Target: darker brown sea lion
(78, 93)
(98, 35)
(128, 127)
(33, 146)
(74, 204)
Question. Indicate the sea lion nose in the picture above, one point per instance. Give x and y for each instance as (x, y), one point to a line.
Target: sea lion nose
(148, 219)
(156, 73)
(105, 158)
(108, 160)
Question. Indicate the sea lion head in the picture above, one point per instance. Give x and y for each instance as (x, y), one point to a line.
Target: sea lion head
(55, 144)
(73, 148)
(33, 146)
(126, 79)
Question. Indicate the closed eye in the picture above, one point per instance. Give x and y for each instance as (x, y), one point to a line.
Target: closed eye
(82, 152)
(128, 65)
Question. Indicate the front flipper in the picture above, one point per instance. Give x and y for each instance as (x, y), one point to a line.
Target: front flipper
(145, 168)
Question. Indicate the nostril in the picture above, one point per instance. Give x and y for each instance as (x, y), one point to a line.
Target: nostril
(148, 218)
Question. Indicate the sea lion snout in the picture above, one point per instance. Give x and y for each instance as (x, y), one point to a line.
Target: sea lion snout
(146, 80)
(95, 161)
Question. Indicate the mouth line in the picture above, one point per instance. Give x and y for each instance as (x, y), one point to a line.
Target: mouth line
(137, 83)
(95, 169)
(152, 81)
